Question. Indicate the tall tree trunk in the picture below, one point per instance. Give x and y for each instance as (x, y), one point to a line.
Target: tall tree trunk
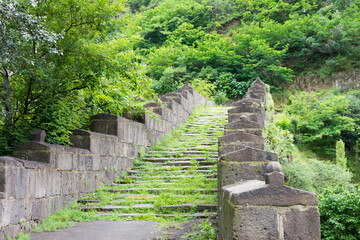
(7, 98)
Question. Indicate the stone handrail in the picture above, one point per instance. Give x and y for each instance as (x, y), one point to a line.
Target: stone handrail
(253, 201)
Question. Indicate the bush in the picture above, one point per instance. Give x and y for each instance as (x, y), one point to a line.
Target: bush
(283, 121)
(340, 213)
(203, 87)
(220, 97)
(314, 175)
(320, 119)
(340, 154)
(279, 140)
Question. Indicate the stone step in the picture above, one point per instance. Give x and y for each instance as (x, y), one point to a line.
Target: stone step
(179, 152)
(186, 215)
(170, 167)
(180, 159)
(110, 208)
(158, 190)
(180, 207)
(85, 201)
(172, 180)
(149, 183)
(173, 177)
(197, 133)
(135, 173)
(189, 207)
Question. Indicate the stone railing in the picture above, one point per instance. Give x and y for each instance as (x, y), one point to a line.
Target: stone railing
(254, 203)
(42, 177)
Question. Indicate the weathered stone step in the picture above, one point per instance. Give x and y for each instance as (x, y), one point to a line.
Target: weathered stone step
(197, 133)
(207, 143)
(188, 163)
(165, 178)
(179, 152)
(187, 215)
(189, 207)
(158, 190)
(134, 172)
(172, 180)
(149, 183)
(135, 180)
(169, 167)
(85, 201)
(180, 159)
(180, 207)
(110, 208)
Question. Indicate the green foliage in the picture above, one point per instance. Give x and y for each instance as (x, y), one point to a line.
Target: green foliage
(351, 138)
(203, 87)
(220, 98)
(205, 231)
(65, 61)
(314, 175)
(170, 80)
(277, 139)
(280, 141)
(161, 21)
(340, 154)
(65, 217)
(283, 121)
(340, 212)
(320, 120)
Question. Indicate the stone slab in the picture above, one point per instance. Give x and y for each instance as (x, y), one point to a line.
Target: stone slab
(104, 230)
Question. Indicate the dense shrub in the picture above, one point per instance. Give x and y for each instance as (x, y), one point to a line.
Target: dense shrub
(314, 175)
(340, 213)
(320, 119)
(220, 98)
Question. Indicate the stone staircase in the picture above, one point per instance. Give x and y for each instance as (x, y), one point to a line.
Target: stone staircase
(176, 178)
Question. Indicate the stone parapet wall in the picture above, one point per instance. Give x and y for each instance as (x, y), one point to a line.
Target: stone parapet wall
(40, 177)
(253, 201)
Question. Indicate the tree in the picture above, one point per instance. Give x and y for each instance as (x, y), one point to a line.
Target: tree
(20, 33)
(61, 55)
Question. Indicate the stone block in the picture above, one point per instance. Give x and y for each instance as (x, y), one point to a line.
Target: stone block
(104, 123)
(11, 174)
(65, 183)
(302, 223)
(12, 212)
(54, 181)
(64, 161)
(274, 179)
(243, 108)
(250, 102)
(249, 154)
(241, 136)
(22, 183)
(107, 147)
(39, 209)
(244, 124)
(258, 193)
(252, 223)
(232, 172)
(41, 184)
(96, 163)
(35, 151)
(37, 136)
(255, 117)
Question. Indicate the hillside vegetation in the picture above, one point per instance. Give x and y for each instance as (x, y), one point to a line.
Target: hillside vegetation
(63, 61)
(229, 43)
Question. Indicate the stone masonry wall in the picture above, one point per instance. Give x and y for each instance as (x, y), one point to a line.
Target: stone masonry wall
(40, 177)
(253, 201)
